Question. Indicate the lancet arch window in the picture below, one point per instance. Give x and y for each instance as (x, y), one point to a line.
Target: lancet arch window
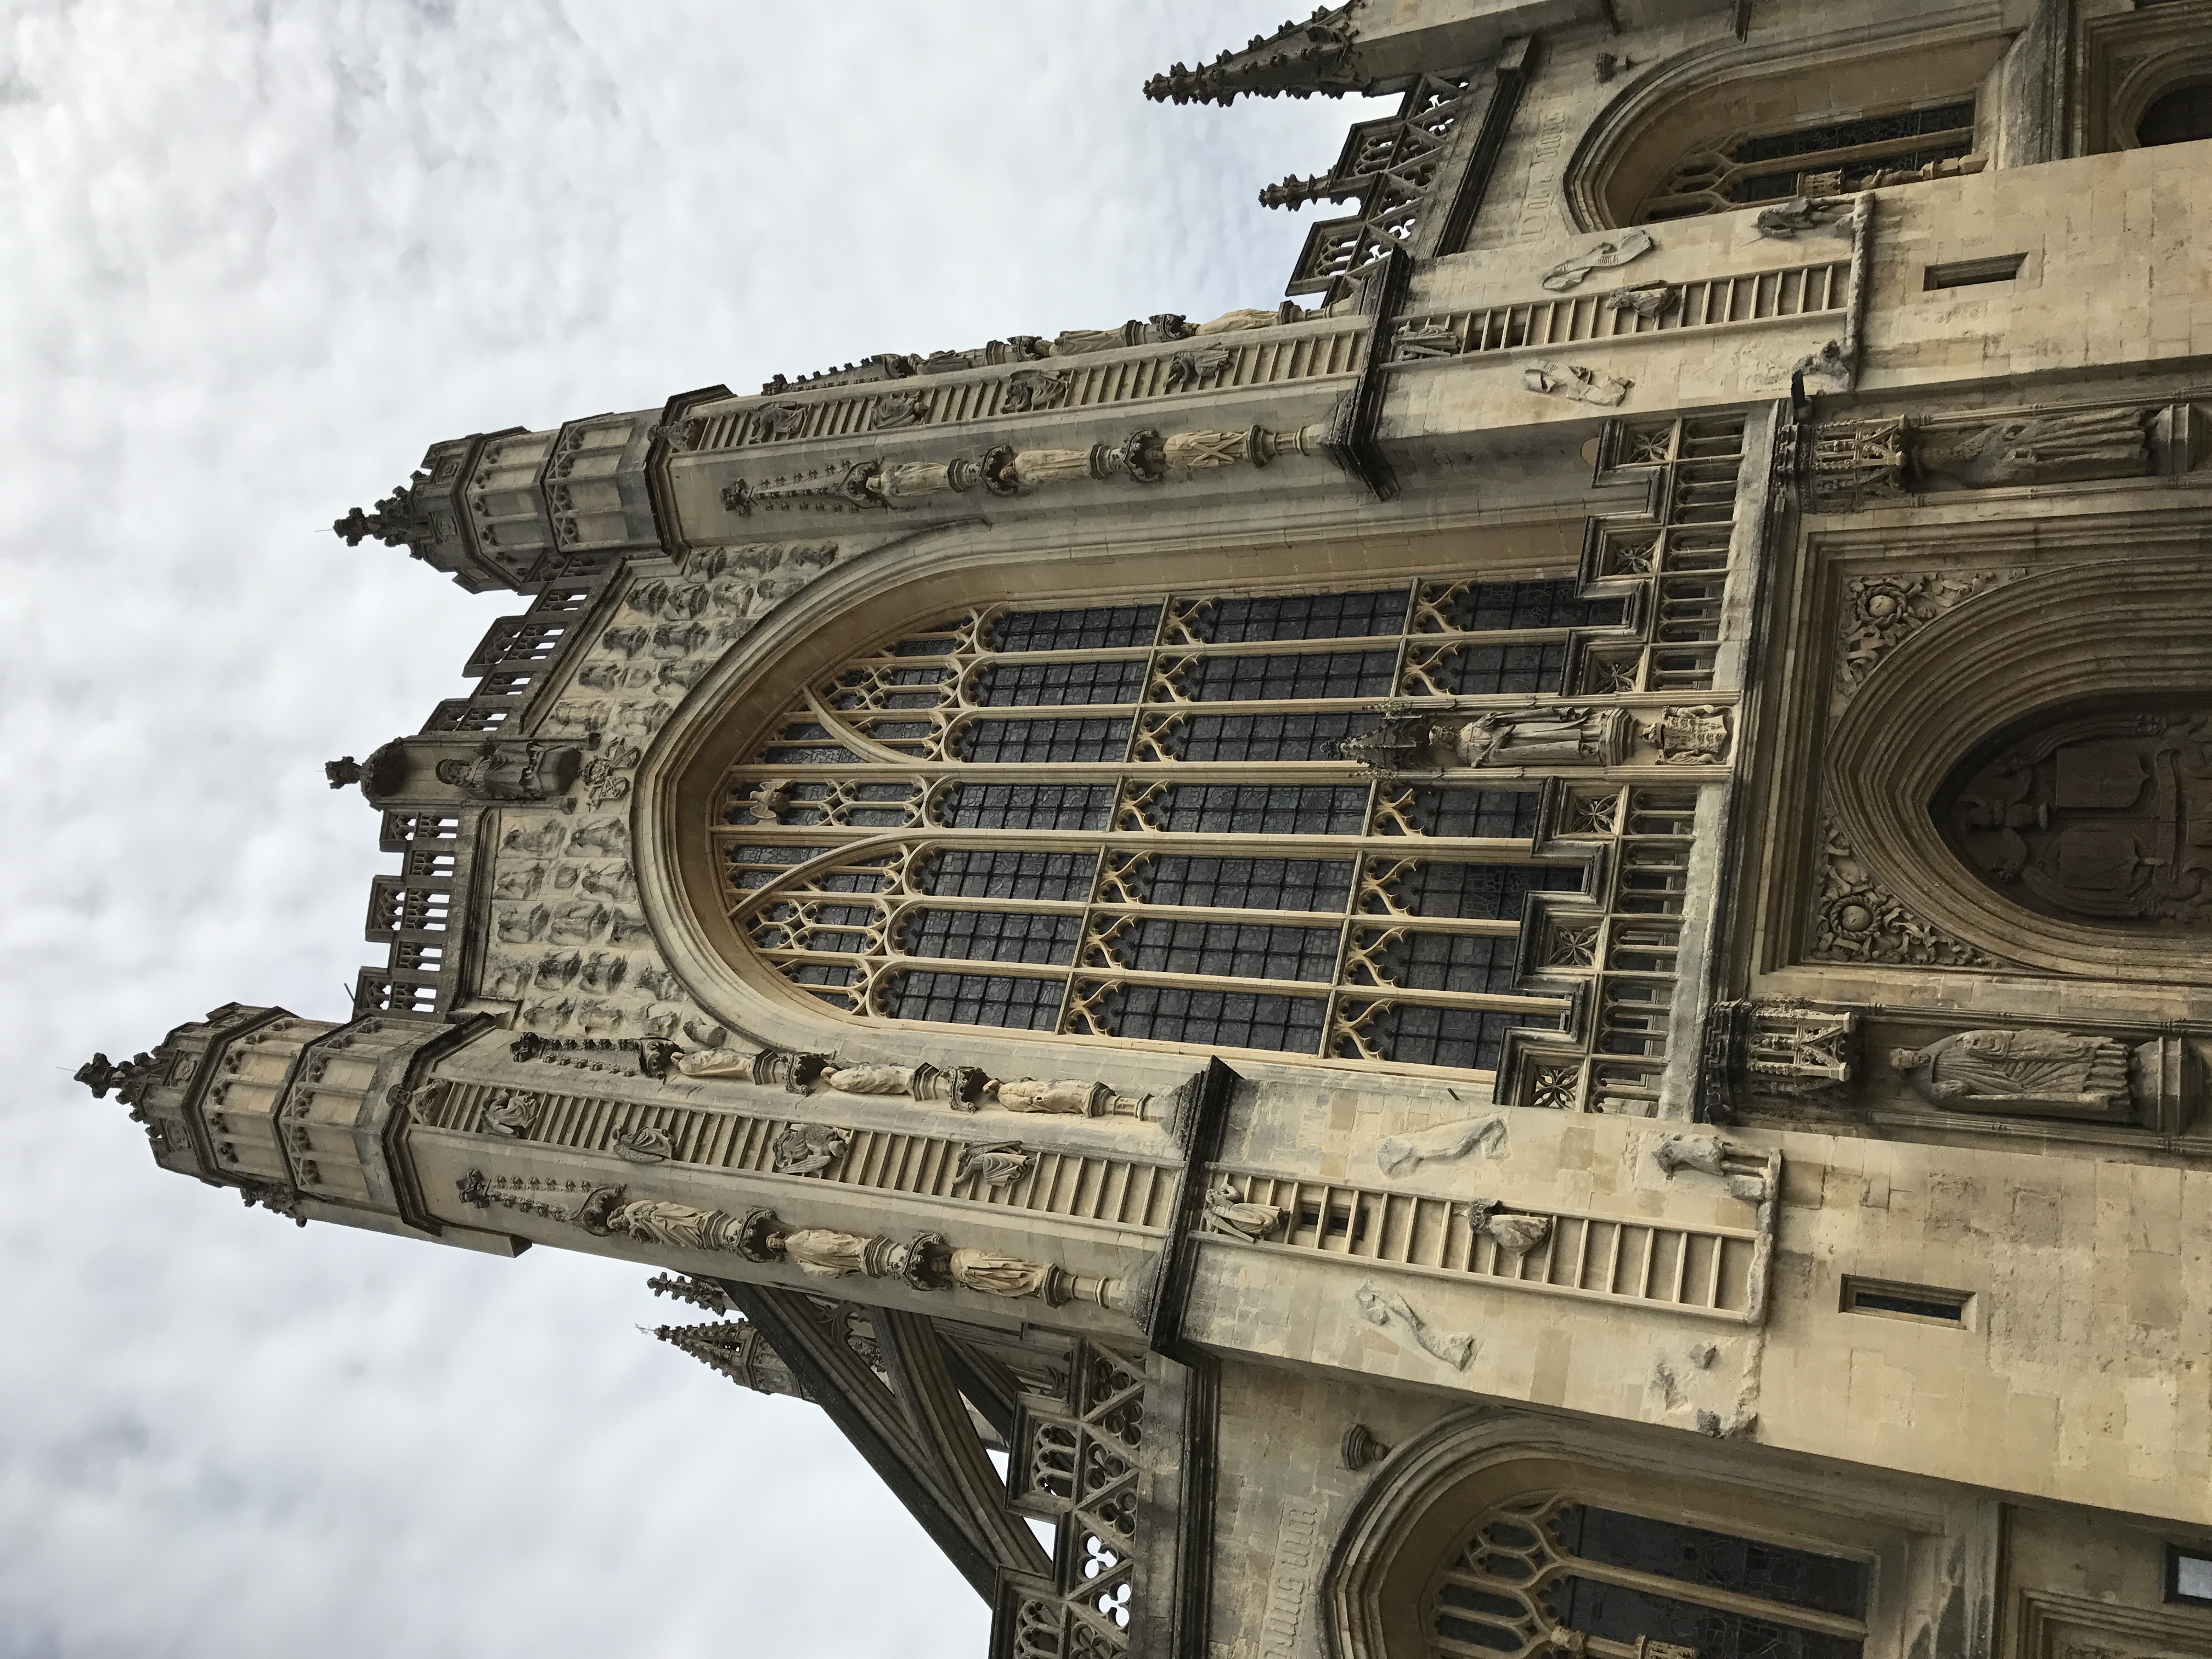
(1828, 157)
(1562, 1570)
(1131, 819)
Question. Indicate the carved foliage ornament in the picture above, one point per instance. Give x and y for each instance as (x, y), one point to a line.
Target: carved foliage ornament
(1857, 920)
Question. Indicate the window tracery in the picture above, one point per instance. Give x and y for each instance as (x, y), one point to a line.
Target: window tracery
(1133, 820)
(1827, 158)
(1552, 1572)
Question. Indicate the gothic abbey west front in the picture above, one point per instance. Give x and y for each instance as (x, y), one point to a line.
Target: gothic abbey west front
(1513, 959)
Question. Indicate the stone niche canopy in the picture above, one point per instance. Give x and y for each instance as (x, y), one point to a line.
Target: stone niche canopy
(2098, 813)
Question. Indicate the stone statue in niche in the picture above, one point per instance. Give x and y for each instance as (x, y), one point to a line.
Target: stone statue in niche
(514, 771)
(2105, 817)
(2030, 1072)
(1545, 737)
(2105, 443)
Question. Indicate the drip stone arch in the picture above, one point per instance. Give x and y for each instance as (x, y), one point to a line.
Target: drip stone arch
(772, 682)
(1920, 1555)
(2122, 631)
(1700, 99)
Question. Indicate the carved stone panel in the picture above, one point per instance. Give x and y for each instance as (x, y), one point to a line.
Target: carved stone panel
(2103, 816)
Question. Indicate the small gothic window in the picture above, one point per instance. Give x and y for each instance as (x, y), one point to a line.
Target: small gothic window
(1828, 158)
(1550, 1572)
(2102, 816)
(2177, 116)
(1134, 820)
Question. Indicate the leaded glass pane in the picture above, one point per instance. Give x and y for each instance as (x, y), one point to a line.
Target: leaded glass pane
(973, 1000)
(1261, 737)
(1448, 961)
(1304, 617)
(1471, 671)
(1622, 1614)
(805, 743)
(1485, 605)
(1289, 677)
(1025, 805)
(1002, 742)
(1470, 814)
(1435, 889)
(1082, 680)
(990, 935)
(1095, 628)
(972, 873)
(1414, 1033)
(1746, 1566)
(1238, 884)
(1222, 950)
(1216, 1019)
(1257, 809)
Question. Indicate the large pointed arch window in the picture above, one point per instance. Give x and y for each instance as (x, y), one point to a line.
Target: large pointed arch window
(1131, 820)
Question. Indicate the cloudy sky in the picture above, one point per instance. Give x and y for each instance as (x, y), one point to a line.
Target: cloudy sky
(256, 257)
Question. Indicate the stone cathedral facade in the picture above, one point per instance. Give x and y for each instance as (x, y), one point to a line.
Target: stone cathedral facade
(1514, 958)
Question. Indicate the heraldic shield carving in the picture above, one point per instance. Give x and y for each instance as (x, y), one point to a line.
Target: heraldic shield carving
(2103, 816)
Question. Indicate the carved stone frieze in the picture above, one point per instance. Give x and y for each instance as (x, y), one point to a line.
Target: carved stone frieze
(995, 1164)
(964, 1088)
(1855, 919)
(928, 1262)
(1851, 464)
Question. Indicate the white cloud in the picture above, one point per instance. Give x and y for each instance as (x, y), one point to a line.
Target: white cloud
(258, 257)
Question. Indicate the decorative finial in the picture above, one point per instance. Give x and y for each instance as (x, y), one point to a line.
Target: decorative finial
(100, 1074)
(343, 771)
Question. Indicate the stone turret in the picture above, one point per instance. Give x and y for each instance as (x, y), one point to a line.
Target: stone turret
(516, 509)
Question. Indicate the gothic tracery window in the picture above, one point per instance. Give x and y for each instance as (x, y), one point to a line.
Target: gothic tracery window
(1130, 820)
(1539, 1570)
(1826, 158)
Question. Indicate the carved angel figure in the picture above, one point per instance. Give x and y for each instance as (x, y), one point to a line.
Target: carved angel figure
(643, 1145)
(715, 1062)
(870, 1079)
(1515, 1235)
(999, 1164)
(1228, 1213)
(808, 1148)
(511, 1111)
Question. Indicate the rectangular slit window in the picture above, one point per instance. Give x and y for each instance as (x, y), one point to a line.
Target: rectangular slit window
(1967, 272)
(2188, 1575)
(1923, 1303)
